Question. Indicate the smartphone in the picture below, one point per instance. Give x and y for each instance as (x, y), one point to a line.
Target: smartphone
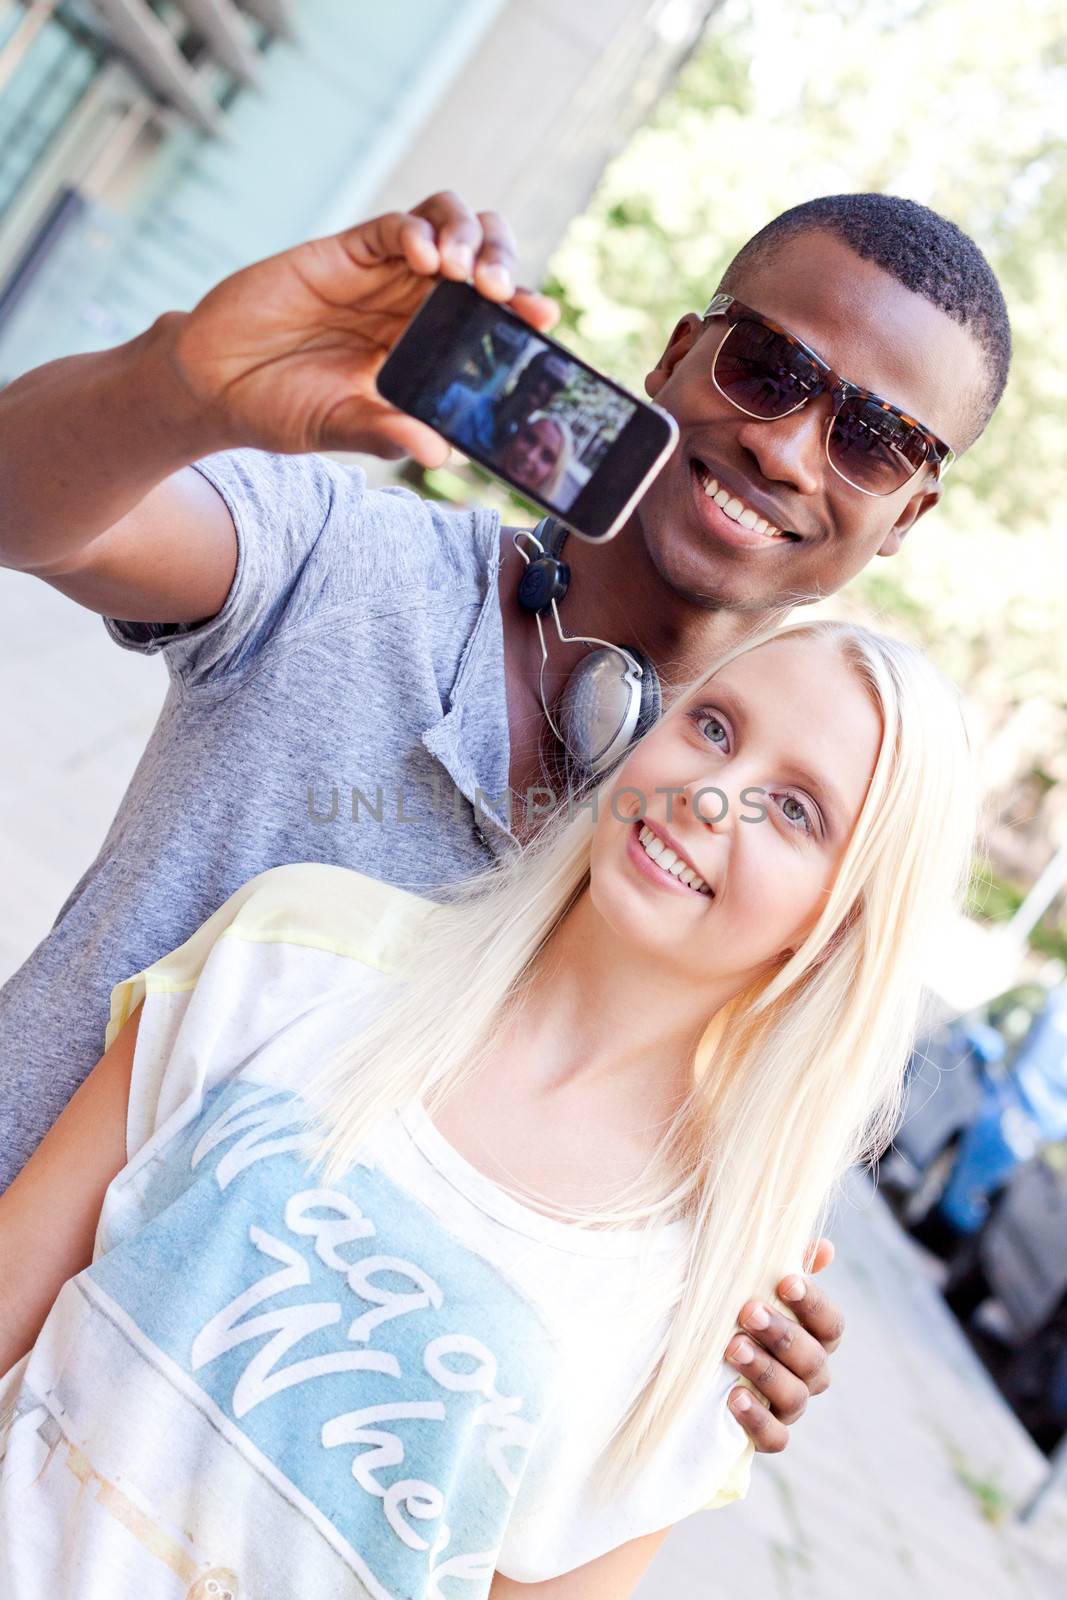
(533, 414)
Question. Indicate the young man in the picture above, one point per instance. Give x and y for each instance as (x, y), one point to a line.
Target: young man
(336, 653)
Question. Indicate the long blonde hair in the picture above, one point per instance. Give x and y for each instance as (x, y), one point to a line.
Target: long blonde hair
(793, 1081)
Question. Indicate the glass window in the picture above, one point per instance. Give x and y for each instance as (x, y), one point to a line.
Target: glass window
(45, 89)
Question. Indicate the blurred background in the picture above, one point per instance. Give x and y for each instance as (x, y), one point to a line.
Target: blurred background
(150, 147)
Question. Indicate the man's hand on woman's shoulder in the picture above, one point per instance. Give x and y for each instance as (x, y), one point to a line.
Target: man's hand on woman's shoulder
(785, 1361)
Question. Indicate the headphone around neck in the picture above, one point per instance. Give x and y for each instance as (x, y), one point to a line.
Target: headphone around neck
(613, 696)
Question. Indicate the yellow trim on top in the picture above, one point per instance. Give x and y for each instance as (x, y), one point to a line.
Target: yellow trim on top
(736, 1482)
(314, 904)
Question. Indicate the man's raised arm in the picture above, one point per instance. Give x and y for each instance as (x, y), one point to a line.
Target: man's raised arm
(96, 495)
(95, 492)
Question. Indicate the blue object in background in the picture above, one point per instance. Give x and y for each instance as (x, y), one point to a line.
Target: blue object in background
(1020, 1111)
(1041, 1068)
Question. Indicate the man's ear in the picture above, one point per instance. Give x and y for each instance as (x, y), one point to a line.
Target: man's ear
(917, 506)
(681, 341)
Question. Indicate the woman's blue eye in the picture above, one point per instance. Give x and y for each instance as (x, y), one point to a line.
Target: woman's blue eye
(800, 818)
(715, 731)
(705, 719)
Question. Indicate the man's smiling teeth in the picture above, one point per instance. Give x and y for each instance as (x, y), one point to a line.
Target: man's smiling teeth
(735, 508)
(664, 857)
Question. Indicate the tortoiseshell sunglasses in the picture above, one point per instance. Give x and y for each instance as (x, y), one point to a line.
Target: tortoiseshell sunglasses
(768, 373)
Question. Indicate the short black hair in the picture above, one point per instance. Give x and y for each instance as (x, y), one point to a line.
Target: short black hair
(923, 250)
(546, 364)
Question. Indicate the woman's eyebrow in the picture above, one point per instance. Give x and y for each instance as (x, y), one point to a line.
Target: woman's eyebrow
(711, 693)
(829, 800)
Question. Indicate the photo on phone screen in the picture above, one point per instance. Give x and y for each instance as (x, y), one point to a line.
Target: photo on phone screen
(517, 402)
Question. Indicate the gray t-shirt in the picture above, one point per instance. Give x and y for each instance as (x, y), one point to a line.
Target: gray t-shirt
(345, 705)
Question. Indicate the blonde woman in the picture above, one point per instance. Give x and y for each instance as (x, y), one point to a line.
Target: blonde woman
(537, 455)
(394, 1247)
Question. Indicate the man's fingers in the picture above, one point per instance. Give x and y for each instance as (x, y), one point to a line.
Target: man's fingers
(458, 232)
(785, 1392)
(442, 236)
(419, 245)
(536, 309)
(814, 1310)
(494, 268)
(396, 235)
(483, 249)
(766, 1432)
(797, 1349)
(819, 1254)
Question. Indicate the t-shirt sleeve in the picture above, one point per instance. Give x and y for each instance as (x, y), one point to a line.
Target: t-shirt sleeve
(282, 506)
(283, 971)
(560, 1522)
(280, 948)
(190, 1003)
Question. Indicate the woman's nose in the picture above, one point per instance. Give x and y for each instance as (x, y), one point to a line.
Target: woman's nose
(711, 804)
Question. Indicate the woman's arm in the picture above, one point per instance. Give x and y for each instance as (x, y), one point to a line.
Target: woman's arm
(49, 1214)
(613, 1576)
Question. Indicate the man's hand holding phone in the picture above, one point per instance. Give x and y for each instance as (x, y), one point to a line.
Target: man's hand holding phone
(284, 354)
(565, 436)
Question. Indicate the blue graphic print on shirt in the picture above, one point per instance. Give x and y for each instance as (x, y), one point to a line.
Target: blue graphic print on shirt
(399, 1402)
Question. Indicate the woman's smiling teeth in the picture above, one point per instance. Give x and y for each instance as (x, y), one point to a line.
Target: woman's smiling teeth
(734, 508)
(665, 857)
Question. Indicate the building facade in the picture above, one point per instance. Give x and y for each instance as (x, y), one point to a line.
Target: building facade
(150, 147)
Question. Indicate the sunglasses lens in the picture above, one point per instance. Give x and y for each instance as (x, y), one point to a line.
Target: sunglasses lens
(762, 372)
(873, 449)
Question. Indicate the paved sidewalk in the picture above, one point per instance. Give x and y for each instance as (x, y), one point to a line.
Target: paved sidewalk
(880, 1491)
(76, 711)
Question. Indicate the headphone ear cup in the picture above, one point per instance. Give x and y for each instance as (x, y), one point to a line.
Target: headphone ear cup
(651, 694)
(606, 706)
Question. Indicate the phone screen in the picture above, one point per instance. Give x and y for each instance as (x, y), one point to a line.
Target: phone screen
(514, 400)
